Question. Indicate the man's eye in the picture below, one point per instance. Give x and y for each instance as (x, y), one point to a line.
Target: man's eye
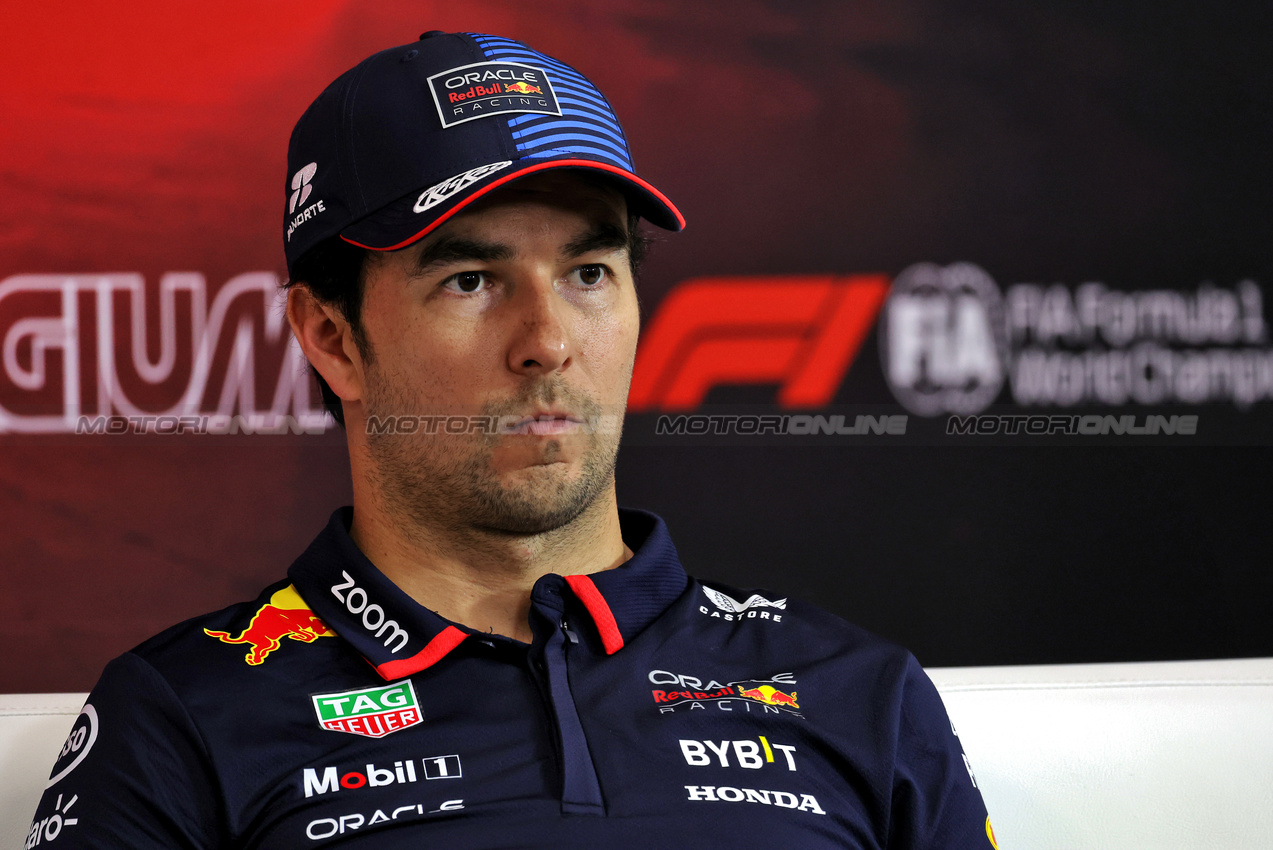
(466, 282)
(591, 275)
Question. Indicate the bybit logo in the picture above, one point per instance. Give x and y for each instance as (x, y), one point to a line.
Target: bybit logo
(746, 754)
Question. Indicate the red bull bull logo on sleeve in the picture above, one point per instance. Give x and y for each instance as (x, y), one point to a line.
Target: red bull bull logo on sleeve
(286, 616)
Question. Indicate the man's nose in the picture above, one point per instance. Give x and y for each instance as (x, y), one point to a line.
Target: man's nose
(541, 342)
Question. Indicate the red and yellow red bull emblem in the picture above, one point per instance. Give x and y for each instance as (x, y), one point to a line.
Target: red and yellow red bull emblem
(522, 88)
(286, 616)
(769, 695)
(990, 833)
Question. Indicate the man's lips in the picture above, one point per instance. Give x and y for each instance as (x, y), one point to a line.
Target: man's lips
(546, 424)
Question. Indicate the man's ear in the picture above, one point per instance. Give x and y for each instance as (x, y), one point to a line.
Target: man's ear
(327, 340)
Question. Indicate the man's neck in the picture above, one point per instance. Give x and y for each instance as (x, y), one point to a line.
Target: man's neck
(479, 577)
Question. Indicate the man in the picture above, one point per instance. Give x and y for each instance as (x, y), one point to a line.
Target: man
(485, 651)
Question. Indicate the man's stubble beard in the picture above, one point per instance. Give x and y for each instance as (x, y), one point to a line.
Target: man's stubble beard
(439, 479)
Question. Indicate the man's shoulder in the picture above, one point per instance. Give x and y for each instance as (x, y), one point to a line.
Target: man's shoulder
(791, 655)
(240, 640)
(789, 624)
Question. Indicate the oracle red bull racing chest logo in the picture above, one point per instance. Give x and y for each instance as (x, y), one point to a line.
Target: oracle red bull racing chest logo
(286, 616)
(775, 695)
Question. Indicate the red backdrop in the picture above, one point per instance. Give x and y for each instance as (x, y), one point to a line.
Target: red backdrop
(819, 139)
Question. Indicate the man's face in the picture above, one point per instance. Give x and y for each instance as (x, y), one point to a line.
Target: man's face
(523, 309)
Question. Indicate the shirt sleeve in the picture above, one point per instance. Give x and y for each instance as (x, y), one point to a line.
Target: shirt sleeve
(134, 772)
(936, 803)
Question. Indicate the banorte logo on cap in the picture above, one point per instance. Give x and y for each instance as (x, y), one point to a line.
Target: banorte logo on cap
(301, 189)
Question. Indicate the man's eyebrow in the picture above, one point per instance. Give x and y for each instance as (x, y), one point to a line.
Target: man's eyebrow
(455, 249)
(604, 236)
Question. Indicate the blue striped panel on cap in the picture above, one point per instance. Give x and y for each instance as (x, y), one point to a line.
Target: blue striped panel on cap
(587, 125)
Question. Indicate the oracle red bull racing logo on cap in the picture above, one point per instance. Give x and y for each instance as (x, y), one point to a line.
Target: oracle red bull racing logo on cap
(477, 91)
(370, 712)
(286, 616)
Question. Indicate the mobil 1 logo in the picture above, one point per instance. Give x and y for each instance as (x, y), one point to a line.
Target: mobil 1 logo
(324, 780)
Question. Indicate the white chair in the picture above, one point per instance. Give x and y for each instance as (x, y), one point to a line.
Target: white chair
(1155, 756)
(33, 728)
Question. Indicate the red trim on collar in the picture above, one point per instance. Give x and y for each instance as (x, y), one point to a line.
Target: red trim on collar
(592, 599)
(433, 652)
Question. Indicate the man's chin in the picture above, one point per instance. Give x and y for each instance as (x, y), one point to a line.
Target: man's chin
(540, 498)
(529, 516)
(529, 451)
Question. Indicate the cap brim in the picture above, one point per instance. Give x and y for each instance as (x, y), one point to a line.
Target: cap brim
(398, 224)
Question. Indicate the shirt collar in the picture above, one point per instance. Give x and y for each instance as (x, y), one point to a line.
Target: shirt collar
(399, 637)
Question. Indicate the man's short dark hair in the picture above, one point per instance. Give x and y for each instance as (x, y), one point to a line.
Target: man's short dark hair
(334, 272)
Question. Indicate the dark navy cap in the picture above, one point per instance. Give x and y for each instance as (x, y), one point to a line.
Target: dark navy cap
(412, 135)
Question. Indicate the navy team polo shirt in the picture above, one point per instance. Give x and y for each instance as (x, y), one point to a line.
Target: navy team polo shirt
(650, 710)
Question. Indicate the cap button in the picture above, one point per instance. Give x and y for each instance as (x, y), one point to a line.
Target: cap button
(430, 34)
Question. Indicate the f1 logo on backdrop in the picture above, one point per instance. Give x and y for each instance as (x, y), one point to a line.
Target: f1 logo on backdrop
(799, 331)
(951, 341)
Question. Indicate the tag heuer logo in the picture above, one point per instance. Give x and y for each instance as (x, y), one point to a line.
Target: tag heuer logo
(373, 712)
